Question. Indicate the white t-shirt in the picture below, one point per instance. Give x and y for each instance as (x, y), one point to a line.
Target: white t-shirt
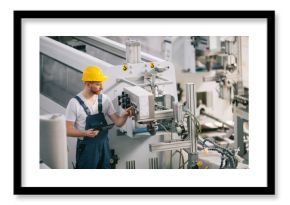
(76, 113)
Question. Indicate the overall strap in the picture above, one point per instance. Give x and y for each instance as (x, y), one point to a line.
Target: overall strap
(83, 105)
(100, 106)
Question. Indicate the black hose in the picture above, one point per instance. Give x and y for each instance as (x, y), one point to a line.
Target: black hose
(222, 151)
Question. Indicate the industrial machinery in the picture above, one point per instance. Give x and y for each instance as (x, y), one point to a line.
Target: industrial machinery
(220, 73)
(229, 77)
(231, 88)
(163, 133)
(241, 121)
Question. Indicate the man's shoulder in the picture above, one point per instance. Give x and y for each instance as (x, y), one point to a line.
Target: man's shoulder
(73, 102)
(74, 99)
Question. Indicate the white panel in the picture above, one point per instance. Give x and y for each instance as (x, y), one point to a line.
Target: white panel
(69, 55)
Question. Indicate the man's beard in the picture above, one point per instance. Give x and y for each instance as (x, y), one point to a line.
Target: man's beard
(96, 92)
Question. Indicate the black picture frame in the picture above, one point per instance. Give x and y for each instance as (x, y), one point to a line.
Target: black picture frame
(19, 189)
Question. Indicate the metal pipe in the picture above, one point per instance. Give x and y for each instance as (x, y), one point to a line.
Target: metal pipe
(190, 102)
(125, 81)
(119, 80)
(171, 145)
(158, 83)
(178, 112)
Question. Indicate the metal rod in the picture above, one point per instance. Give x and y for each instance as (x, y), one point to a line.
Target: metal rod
(158, 83)
(166, 146)
(119, 80)
(190, 102)
(155, 163)
(126, 81)
(162, 78)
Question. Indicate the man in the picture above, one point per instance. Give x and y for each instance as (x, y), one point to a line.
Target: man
(85, 115)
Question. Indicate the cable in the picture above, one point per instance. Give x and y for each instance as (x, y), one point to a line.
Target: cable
(197, 125)
(161, 106)
(164, 127)
(181, 158)
(223, 152)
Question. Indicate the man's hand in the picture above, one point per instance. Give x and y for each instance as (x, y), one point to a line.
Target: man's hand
(91, 132)
(120, 120)
(129, 112)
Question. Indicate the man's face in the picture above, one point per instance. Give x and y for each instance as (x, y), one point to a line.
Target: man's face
(96, 87)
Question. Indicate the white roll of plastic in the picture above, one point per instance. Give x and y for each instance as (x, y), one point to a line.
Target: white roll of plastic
(53, 142)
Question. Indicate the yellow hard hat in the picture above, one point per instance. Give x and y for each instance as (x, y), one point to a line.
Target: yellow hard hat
(93, 73)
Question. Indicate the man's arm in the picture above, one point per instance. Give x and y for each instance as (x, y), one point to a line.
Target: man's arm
(120, 120)
(73, 132)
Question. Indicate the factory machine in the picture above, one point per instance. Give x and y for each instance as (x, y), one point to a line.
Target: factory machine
(163, 134)
(233, 89)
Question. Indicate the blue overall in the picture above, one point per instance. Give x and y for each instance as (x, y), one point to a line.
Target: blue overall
(93, 152)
